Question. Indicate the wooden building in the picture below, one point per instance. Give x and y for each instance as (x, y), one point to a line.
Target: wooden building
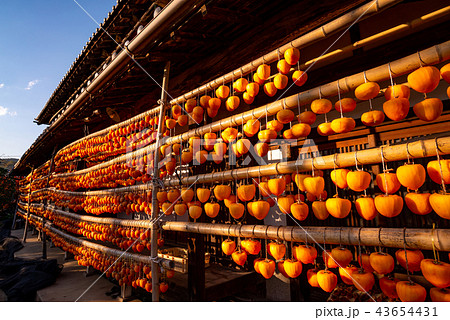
(235, 141)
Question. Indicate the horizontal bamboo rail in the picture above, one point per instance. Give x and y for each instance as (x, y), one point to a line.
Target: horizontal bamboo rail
(103, 192)
(346, 20)
(417, 149)
(164, 262)
(110, 221)
(430, 56)
(427, 19)
(386, 237)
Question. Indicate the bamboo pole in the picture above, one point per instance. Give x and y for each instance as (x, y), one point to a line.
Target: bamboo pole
(417, 149)
(427, 19)
(386, 237)
(24, 238)
(307, 39)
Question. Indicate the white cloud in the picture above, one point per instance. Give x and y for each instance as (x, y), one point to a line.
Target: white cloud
(2, 85)
(4, 111)
(31, 84)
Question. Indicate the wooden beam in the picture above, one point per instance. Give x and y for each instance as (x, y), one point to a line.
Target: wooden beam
(231, 16)
(201, 39)
(161, 56)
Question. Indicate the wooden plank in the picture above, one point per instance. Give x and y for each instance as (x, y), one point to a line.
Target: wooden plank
(372, 140)
(407, 123)
(415, 131)
(231, 16)
(327, 146)
(196, 267)
(391, 126)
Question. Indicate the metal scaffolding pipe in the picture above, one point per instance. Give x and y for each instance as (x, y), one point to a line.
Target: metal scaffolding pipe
(110, 221)
(307, 39)
(386, 237)
(167, 264)
(155, 188)
(113, 191)
(24, 238)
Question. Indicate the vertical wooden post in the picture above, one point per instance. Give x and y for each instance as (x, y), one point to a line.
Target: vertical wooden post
(196, 267)
(372, 142)
(155, 189)
(196, 256)
(24, 239)
(13, 225)
(44, 235)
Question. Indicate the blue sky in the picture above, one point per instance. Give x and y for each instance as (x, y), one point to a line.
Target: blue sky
(39, 40)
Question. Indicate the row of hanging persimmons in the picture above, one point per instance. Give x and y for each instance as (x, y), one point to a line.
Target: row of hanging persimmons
(382, 264)
(410, 175)
(118, 140)
(423, 80)
(124, 270)
(396, 107)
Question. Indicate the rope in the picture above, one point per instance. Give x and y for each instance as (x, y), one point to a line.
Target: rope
(440, 166)
(406, 255)
(384, 171)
